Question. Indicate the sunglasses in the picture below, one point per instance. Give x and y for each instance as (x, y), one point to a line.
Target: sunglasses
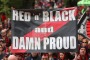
(84, 42)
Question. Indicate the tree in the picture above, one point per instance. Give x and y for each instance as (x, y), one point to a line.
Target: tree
(70, 3)
(16, 3)
(4, 7)
(22, 4)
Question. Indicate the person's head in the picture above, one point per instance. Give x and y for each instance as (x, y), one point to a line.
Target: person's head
(61, 55)
(12, 57)
(44, 57)
(1, 48)
(3, 43)
(0, 25)
(82, 51)
(12, 7)
(6, 57)
(19, 57)
(52, 0)
(6, 22)
(50, 53)
(9, 48)
(34, 54)
(80, 37)
(9, 34)
(3, 33)
(84, 42)
(88, 44)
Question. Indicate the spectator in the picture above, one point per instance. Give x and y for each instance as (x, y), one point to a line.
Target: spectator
(1, 41)
(83, 53)
(33, 56)
(9, 50)
(51, 57)
(4, 37)
(5, 57)
(80, 37)
(19, 57)
(4, 45)
(3, 18)
(89, 44)
(3, 33)
(1, 52)
(44, 57)
(12, 57)
(84, 42)
(0, 26)
(52, 3)
(62, 56)
(9, 34)
(6, 24)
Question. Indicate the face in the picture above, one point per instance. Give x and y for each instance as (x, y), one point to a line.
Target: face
(44, 57)
(0, 26)
(89, 44)
(4, 44)
(19, 57)
(1, 42)
(34, 54)
(9, 34)
(3, 34)
(82, 51)
(0, 48)
(62, 55)
(50, 54)
(80, 37)
(10, 49)
(84, 42)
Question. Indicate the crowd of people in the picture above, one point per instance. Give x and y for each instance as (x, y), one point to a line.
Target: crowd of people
(83, 51)
(48, 4)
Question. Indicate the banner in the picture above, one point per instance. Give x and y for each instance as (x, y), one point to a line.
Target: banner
(43, 30)
(84, 25)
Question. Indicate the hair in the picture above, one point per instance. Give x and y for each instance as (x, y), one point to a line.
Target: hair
(86, 39)
(85, 49)
(81, 35)
(0, 45)
(63, 53)
(86, 55)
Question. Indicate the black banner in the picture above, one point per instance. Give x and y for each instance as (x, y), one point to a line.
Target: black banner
(44, 30)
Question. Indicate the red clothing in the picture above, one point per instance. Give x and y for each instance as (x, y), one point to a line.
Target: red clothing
(86, 57)
(3, 18)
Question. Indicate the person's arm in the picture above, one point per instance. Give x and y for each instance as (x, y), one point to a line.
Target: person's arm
(76, 55)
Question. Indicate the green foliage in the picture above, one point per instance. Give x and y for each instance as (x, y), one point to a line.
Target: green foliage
(4, 7)
(16, 3)
(70, 3)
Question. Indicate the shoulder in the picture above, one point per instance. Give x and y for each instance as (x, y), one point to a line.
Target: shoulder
(28, 58)
(39, 57)
(56, 59)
